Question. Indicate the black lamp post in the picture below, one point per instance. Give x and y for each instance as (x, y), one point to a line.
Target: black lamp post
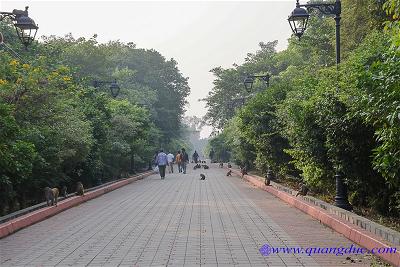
(298, 21)
(114, 87)
(25, 26)
(249, 80)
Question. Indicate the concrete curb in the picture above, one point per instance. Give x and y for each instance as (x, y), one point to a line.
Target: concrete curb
(352, 232)
(16, 224)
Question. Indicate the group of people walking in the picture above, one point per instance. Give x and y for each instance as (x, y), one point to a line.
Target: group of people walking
(163, 160)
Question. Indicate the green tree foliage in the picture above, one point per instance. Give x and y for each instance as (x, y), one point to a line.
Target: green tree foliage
(314, 121)
(392, 26)
(57, 129)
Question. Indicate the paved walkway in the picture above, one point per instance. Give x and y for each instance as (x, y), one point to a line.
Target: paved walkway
(179, 221)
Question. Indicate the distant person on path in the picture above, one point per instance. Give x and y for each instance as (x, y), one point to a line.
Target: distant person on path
(185, 160)
(162, 161)
(195, 156)
(178, 160)
(170, 158)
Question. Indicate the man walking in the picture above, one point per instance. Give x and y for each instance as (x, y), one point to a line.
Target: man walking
(162, 162)
(170, 158)
(195, 157)
(185, 159)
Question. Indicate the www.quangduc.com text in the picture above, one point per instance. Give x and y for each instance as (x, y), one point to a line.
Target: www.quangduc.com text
(266, 250)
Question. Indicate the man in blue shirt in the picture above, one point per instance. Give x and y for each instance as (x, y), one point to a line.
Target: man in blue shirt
(162, 162)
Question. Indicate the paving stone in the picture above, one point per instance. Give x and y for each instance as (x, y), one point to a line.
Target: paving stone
(180, 221)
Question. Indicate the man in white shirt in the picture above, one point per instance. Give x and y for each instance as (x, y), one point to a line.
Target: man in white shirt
(170, 158)
(162, 162)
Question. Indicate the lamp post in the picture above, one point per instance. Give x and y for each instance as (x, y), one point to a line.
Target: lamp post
(298, 21)
(25, 26)
(114, 87)
(249, 80)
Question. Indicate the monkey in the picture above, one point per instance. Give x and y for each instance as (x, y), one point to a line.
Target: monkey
(229, 173)
(243, 171)
(51, 195)
(221, 164)
(79, 189)
(267, 181)
(197, 166)
(64, 192)
(206, 167)
(229, 165)
(202, 176)
(303, 190)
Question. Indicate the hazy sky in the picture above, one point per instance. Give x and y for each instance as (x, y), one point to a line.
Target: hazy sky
(199, 35)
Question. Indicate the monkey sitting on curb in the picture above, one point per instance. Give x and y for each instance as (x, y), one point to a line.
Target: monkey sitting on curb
(267, 181)
(229, 165)
(80, 191)
(303, 190)
(51, 195)
(221, 164)
(229, 173)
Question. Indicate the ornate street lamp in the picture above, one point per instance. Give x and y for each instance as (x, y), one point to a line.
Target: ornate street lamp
(298, 21)
(249, 80)
(25, 26)
(114, 87)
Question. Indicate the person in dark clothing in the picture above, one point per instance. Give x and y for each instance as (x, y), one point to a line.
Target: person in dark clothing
(185, 160)
(195, 157)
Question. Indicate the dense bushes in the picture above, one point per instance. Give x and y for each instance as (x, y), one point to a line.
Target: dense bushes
(314, 121)
(56, 129)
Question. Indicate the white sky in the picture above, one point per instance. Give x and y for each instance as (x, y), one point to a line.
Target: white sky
(199, 35)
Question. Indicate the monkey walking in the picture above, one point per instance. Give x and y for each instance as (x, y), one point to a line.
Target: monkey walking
(80, 191)
(202, 176)
(51, 195)
(303, 190)
(243, 171)
(229, 173)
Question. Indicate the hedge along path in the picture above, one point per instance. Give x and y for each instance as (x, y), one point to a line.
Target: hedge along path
(26, 220)
(349, 230)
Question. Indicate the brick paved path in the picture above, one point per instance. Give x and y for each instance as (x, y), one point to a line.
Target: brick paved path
(179, 221)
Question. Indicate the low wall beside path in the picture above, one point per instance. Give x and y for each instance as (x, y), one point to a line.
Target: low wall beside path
(354, 227)
(21, 219)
